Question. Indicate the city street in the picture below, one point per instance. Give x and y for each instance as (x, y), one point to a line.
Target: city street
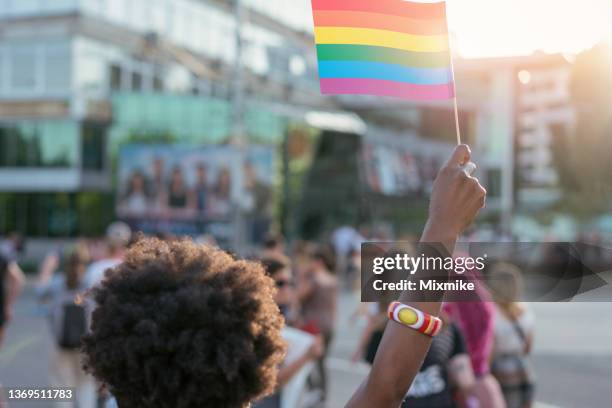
(302, 129)
(572, 347)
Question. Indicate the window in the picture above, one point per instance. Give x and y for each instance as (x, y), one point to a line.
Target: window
(58, 142)
(55, 214)
(115, 77)
(23, 67)
(57, 67)
(9, 146)
(90, 74)
(93, 145)
(38, 144)
(158, 84)
(136, 81)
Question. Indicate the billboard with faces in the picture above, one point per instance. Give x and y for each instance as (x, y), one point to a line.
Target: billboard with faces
(194, 190)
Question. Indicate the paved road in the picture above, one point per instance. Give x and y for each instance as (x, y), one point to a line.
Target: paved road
(572, 354)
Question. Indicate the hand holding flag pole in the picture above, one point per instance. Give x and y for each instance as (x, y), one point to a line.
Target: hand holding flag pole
(392, 48)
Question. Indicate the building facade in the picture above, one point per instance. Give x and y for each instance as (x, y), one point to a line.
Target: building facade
(80, 77)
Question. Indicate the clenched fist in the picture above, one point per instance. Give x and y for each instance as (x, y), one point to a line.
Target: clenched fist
(456, 198)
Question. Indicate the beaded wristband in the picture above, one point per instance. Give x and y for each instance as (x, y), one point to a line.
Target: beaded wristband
(415, 319)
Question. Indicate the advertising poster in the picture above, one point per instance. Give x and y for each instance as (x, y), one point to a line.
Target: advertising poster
(190, 190)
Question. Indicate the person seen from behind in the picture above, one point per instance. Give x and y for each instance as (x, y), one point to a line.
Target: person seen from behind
(278, 269)
(12, 281)
(318, 295)
(377, 317)
(179, 324)
(274, 247)
(476, 321)
(514, 334)
(446, 378)
(69, 314)
(118, 236)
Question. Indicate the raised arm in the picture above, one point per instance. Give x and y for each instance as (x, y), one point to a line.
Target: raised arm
(455, 201)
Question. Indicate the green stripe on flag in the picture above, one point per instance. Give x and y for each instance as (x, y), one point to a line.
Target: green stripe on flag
(347, 52)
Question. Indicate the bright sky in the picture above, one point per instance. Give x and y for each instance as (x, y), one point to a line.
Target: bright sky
(484, 28)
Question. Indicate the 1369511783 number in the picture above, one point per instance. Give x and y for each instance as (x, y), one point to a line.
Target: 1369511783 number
(51, 394)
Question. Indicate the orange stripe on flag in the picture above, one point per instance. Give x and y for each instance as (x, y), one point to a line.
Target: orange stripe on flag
(362, 19)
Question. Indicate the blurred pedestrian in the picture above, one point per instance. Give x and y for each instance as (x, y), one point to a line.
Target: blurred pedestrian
(12, 246)
(12, 281)
(446, 375)
(298, 354)
(514, 333)
(346, 241)
(318, 295)
(300, 258)
(371, 335)
(274, 247)
(118, 236)
(475, 319)
(69, 314)
(353, 270)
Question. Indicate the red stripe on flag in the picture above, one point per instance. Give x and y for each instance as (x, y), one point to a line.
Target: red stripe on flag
(394, 7)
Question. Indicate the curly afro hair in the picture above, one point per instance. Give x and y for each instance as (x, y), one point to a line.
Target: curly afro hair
(184, 325)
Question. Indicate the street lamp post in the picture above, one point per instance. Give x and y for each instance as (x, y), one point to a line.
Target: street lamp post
(239, 138)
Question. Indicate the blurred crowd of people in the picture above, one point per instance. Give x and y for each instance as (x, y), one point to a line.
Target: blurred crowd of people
(481, 359)
(482, 356)
(307, 292)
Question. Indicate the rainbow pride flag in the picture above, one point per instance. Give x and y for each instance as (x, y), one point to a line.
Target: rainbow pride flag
(390, 48)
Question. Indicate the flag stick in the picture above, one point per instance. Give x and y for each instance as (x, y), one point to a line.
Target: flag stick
(452, 66)
(455, 100)
(457, 120)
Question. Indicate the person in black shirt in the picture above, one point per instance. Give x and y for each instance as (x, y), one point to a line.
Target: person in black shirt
(446, 366)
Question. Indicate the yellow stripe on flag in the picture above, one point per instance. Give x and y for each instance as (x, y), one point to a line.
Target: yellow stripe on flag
(381, 38)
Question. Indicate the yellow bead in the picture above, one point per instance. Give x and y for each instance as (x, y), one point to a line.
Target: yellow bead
(407, 316)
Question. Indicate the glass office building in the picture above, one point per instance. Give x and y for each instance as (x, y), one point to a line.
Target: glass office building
(80, 77)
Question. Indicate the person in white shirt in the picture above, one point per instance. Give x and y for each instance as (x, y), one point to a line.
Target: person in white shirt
(118, 235)
(514, 333)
